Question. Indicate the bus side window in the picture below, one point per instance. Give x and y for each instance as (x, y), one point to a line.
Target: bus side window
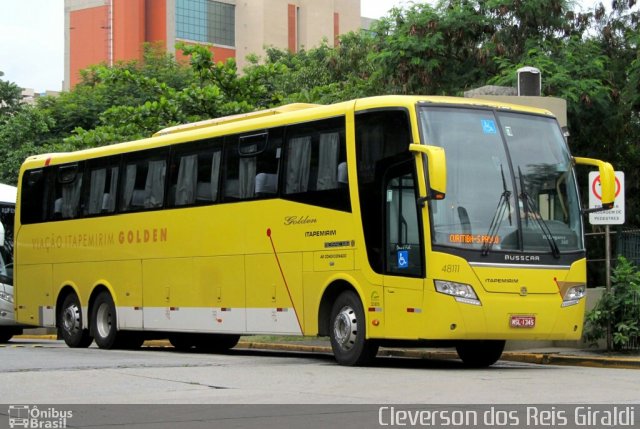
(144, 182)
(66, 192)
(33, 198)
(298, 164)
(268, 166)
(316, 164)
(195, 176)
(252, 165)
(328, 157)
(102, 187)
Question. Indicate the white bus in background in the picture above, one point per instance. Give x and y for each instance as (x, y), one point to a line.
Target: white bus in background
(8, 326)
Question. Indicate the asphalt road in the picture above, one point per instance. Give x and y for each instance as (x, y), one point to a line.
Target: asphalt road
(47, 372)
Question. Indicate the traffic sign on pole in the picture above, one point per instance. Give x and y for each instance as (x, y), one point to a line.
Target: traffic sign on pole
(614, 216)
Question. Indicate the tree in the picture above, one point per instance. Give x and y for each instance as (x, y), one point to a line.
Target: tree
(10, 98)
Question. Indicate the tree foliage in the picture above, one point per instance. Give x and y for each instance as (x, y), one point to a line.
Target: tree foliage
(618, 310)
(10, 96)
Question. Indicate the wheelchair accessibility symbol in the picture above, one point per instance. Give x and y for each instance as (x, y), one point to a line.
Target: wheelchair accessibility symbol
(403, 259)
(489, 127)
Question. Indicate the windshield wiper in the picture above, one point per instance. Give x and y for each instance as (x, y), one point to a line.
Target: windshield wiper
(531, 211)
(504, 205)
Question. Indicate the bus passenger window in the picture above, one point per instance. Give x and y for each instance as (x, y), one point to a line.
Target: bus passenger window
(32, 198)
(187, 181)
(240, 172)
(67, 189)
(268, 166)
(252, 165)
(195, 178)
(313, 165)
(298, 164)
(209, 177)
(103, 184)
(328, 156)
(143, 185)
(316, 164)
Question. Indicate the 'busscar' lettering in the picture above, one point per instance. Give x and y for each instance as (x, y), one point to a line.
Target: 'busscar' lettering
(521, 258)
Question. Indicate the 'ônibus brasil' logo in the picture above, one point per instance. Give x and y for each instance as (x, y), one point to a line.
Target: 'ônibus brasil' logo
(27, 416)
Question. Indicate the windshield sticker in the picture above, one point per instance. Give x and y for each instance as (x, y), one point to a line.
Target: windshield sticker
(508, 131)
(474, 239)
(489, 126)
(403, 259)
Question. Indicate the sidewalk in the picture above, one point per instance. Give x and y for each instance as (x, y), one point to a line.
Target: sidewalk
(543, 356)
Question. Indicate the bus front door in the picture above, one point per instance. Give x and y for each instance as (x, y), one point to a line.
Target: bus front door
(403, 254)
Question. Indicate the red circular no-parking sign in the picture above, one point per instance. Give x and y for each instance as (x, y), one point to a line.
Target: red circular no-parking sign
(595, 188)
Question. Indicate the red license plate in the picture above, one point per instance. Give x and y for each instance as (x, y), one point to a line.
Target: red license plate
(522, 321)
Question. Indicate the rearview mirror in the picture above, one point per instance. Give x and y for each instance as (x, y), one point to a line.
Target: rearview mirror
(607, 179)
(436, 170)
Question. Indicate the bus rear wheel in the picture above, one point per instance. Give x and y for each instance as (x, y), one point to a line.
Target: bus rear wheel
(347, 332)
(104, 324)
(480, 353)
(70, 323)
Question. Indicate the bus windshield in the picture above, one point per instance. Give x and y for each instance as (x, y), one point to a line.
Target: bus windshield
(510, 185)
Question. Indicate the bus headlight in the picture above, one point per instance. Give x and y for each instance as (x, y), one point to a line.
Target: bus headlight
(573, 295)
(461, 292)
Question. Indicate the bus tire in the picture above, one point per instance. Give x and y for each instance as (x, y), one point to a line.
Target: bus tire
(70, 323)
(130, 340)
(104, 322)
(182, 342)
(5, 335)
(347, 331)
(480, 353)
(216, 343)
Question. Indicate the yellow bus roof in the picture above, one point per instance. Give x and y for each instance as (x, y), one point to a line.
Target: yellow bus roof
(234, 118)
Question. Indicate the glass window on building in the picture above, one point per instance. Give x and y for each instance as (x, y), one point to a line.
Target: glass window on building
(206, 21)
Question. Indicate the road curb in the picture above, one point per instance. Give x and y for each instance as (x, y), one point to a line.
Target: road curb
(524, 357)
(573, 360)
(37, 337)
(512, 356)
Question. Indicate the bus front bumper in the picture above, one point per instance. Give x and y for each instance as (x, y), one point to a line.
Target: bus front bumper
(502, 316)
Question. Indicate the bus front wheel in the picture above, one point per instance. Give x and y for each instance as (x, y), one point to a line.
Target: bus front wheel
(70, 323)
(347, 331)
(480, 353)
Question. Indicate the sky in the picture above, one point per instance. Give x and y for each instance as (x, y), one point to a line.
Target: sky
(32, 39)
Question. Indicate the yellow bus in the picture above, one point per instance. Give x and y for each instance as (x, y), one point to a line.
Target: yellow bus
(378, 221)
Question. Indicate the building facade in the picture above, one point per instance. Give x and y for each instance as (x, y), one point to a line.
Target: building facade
(108, 31)
(29, 95)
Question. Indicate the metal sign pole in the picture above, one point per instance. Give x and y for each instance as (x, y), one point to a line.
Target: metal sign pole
(607, 251)
(607, 218)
